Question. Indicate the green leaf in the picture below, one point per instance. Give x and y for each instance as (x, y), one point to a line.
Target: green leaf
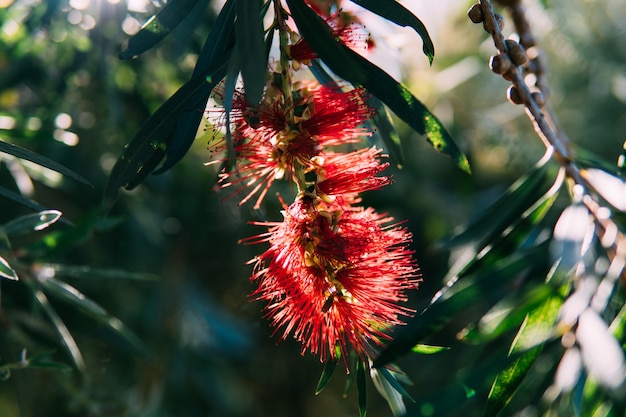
(398, 14)
(42, 360)
(361, 387)
(326, 375)
(382, 380)
(32, 222)
(31, 156)
(536, 329)
(149, 145)
(507, 209)
(386, 130)
(352, 67)
(66, 336)
(428, 349)
(6, 271)
(393, 381)
(92, 309)
(18, 198)
(479, 292)
(157, 27)
(219, 41)
(250, 47)
(87, 272)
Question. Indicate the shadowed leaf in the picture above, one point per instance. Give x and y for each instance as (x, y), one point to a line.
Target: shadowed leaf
(398, 14)
(361, 387)
(6, 271)
(149, 145)
(326, 375)
(250, 47)
(40, 160)
(157, 27)
(32, 222)
(92, 309)
(219, 41)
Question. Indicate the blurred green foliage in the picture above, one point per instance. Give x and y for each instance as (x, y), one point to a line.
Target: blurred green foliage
(165, 259)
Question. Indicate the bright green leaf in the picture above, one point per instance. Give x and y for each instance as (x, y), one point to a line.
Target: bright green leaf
(428, 349)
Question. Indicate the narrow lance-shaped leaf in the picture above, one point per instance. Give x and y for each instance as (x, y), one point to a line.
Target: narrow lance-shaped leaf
(219, 41)
(91, 309)
(327, 373)
(149, 145)
(250, 47)
(6, 271)
(61, 328)
(398, 14)
(361, 387)
(157, 27)
(40, 160)
(388, 391)
(534, 331)
(32, 222)
(354, 68)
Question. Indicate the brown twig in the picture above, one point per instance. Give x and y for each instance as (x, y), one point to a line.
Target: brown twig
(538, 110)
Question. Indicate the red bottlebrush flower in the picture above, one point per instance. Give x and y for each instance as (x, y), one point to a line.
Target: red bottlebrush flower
(271, 140)
(351, 173)
(333, 278)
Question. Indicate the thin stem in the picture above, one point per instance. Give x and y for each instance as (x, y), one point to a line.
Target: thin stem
(548, 128)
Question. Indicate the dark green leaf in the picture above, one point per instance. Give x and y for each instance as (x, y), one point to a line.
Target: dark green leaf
(43, 361)
(250, 47)
(18, 198)
(393, 381)
(86, 272)
(386, 130)
(398, 14)
(479, 291)
(389, 391)
(507, 209)
(361, 387)
(31, 156)
(66, 337)
(32, 222)
(157, 27)
(326, 375)
(92, 309)
(149, 145)
(354, 68)
(219, 41)
(6, 271)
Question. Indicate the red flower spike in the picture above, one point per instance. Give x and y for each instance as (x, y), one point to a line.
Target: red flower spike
(268, 145)
(334, 278)
(351, 173)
